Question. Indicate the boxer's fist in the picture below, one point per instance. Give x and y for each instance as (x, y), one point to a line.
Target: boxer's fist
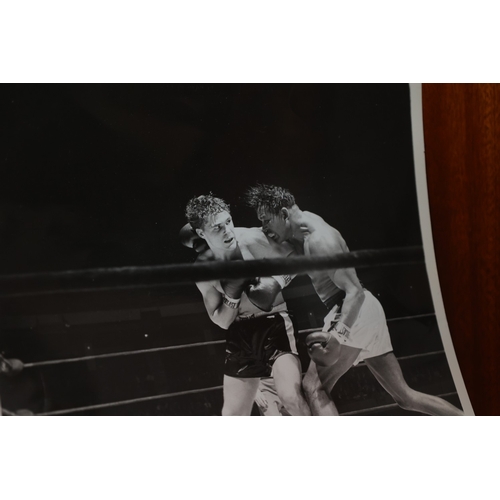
(190, 239)
(188, 235)
(262, 293)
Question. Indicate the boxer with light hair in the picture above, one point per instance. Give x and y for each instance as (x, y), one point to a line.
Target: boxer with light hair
(260, 339)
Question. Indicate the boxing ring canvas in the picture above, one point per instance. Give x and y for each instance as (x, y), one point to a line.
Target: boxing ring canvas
(97, 177)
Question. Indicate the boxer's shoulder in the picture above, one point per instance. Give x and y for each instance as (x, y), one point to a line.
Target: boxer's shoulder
(249, 235)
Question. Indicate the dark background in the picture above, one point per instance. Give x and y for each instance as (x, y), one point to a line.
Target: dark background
(99, 175)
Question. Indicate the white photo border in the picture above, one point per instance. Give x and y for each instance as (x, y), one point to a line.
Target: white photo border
(430, 258)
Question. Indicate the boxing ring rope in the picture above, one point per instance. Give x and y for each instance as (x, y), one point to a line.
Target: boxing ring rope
(119, 354)
(112, 404)
(180, 346)
(20, 285)
(102, 279)
(195, 391)
(129, 401)
(388, 406)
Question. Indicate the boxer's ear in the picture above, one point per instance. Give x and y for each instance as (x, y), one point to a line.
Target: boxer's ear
(284, 213)
(200, 233)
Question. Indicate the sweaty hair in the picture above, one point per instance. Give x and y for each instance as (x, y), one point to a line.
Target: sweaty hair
(272, 198)
(200, 208)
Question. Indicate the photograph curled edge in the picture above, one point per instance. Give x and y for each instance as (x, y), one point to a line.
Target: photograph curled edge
(430, 259)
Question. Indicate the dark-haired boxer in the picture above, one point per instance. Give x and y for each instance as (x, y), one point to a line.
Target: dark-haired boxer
(355, 329)
(260, 339)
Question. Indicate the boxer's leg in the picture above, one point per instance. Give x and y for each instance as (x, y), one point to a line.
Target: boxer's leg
(267, 399)
(288, 381)
(320, 380)
(239, 395)
(320, 402)
(387, 371)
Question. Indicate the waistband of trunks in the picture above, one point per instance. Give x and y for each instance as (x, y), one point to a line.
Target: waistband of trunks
(337, 299)
(271, 314)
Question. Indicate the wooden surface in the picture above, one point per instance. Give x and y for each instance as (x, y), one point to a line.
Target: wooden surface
(462, 143)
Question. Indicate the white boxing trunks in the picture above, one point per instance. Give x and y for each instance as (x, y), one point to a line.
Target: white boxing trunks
(369, 332)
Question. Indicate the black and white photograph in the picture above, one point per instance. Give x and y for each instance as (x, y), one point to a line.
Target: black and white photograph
(218, 250)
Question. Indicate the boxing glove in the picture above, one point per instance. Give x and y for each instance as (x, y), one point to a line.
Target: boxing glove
(190, 239)
(262, 293)
(234, 288)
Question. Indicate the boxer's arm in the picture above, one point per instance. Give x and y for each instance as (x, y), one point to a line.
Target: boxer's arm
(283, 250)
(222, 311)
(260, 246)
(345, 279)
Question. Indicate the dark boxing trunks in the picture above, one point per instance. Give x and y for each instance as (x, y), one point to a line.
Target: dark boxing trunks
(253, 345)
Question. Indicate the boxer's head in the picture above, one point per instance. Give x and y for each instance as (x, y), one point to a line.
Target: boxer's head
(273, 205)
(211, 219)
(323, 348)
